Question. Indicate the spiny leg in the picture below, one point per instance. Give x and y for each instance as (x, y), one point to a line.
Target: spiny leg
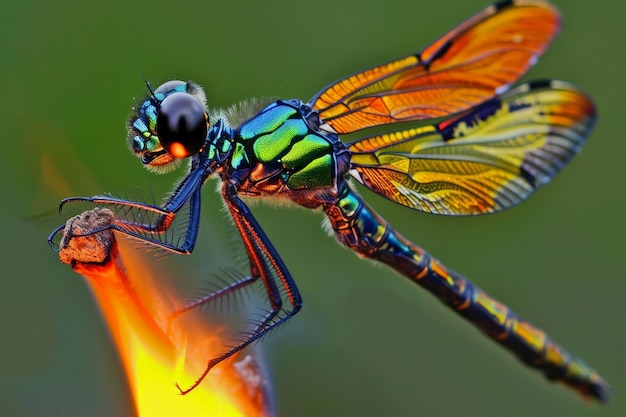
(221, 292)
(129, 215)
(264, 262)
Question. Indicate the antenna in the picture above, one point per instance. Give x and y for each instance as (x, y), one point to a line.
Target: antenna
(144, 80)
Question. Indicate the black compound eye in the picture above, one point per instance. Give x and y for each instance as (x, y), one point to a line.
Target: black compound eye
(181, 125)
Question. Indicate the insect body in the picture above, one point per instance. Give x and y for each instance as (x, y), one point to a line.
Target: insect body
(483, 147)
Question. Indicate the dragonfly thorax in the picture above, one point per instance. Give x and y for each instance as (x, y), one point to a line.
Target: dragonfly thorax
(281, 152)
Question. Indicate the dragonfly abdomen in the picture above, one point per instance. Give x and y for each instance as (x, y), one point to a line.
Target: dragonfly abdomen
(361, 229)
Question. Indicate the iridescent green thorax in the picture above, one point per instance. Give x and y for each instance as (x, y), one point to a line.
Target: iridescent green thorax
(281, 151)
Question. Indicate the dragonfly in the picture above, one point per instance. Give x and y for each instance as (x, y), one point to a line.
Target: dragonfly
(478, 144)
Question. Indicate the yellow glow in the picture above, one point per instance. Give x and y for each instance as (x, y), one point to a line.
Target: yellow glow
(156, 356)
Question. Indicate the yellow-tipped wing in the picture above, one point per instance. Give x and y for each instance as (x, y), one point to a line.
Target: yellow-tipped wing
(465, 67)
(483, 160)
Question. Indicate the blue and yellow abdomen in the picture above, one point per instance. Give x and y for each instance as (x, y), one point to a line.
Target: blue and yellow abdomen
(361, 229)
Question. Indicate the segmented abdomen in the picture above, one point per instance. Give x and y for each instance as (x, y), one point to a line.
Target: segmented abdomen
(358, 227)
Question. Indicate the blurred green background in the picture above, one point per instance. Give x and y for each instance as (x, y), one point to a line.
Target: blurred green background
(367, 342)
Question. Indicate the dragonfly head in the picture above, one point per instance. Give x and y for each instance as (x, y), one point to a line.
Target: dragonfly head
(171, 124)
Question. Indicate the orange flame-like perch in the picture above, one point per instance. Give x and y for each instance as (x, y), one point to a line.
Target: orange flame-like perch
(155, 351)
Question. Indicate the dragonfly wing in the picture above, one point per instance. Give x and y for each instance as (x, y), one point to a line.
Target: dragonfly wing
(483, 160)
(466, 66)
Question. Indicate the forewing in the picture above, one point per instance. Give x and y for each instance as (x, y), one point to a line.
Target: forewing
(466, 66)
(483, 160)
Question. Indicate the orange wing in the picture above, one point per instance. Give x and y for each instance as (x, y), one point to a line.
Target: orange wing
(483, 160)
(468, 65)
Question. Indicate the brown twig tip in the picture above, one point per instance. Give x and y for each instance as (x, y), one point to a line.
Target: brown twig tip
(155, 351)
(87, 237)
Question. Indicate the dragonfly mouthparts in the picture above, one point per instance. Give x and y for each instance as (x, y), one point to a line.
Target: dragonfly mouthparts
(148, 157)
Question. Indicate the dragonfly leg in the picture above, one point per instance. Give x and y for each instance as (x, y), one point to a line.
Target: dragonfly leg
(149, 223)
(224, 291)
(130, 220)
(266, 263)
(52, 236)
(125, 211)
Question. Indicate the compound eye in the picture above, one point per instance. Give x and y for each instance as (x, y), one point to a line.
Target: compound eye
(181, 125)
